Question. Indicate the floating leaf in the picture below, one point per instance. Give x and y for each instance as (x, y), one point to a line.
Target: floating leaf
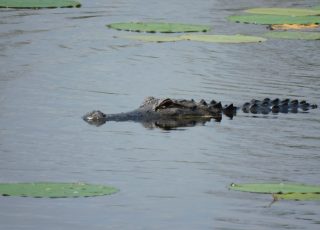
(154, 27)
(55, 190)
(285, 11)
(223, 38)
(297, 196)
(274, 19)
(293, 26)
(279, 188)
(199, 38)
(154, 38)
(294, 35)
(35, 4)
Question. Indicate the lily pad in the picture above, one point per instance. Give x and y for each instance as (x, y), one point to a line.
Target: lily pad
(154, 38)
(293, 26)
(36, 4)
(284, 11)
(199, 38)
(297, 196)
(223, 38)
(274, 19)
(55, 190)
(160, 27)
(294, 35)
(278, 188)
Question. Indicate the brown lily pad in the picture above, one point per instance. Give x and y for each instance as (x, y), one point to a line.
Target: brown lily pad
(294, 26)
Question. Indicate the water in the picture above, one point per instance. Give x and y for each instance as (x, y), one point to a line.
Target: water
(58, 64)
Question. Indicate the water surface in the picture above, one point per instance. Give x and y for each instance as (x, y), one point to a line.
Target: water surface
(58, 64)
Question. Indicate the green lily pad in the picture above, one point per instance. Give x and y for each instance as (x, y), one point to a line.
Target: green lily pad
(154, 38)
(223, 38)
(274, 19)
(280, 188)
(199, 38)
(36, 4)
(297, 196)
(55, 190)
(154, 27)
(294, 35)
(284, 11)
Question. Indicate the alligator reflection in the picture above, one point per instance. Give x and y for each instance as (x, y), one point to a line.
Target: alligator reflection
(170, 123)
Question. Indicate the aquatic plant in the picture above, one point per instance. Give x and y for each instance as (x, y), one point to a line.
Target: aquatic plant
(154, 38)
(285, 11)
(293, 35)
(199, 38)
(281, 190)
(274, 19)
(238, 38)
(55, 190)
(297, 196)
(36, 4)
(293, 26)
(161, 27)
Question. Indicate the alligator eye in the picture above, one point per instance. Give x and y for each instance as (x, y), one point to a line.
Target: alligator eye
(164, 104)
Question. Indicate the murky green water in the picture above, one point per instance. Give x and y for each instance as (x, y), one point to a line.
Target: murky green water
(58, 64)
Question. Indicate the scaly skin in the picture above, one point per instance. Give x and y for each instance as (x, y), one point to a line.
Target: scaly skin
(267, 106)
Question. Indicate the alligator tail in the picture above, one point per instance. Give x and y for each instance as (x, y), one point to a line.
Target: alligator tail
(275, 106)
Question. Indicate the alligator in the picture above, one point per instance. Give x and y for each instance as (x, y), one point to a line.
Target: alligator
(170, 113)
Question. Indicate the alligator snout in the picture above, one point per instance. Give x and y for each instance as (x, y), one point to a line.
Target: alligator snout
(95, 117)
